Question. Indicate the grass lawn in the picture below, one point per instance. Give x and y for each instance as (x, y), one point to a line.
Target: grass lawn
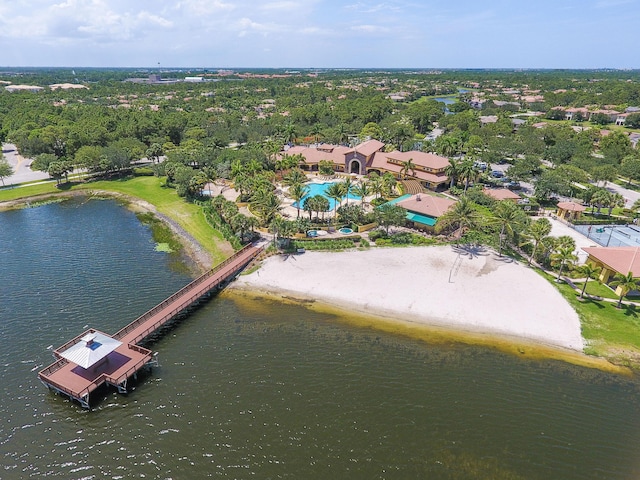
(610, 332)
(151, 190)
(598, 289)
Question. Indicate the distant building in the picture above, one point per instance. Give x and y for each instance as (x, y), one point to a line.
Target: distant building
(23, 88)
(193, 79)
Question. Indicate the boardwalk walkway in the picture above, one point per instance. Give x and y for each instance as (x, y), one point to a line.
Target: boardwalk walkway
(129, 358)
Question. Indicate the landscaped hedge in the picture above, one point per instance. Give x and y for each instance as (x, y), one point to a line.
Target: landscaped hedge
(601, 221)
(328, 244)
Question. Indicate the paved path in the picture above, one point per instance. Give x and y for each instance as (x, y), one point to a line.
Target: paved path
(21, 167)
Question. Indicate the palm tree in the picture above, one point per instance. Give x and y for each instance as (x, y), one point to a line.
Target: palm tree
(536, 232)
(615, 200)
(407, 167)
(267, 205)
(362, 190)
(347, 187)
(335, 192)
(452, 171)
(510, 218)
(375, 182)
(624, 284)
(563, 257)
(341, 133)
(298, 191)
(316, 131)
(294, 176)
(290, 133)
(468, 171)
(589, 270)
(447, 145)
(389, 182)
(601, 198)
(462, 216)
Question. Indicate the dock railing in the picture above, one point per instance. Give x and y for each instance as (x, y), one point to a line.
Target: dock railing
(198, 281)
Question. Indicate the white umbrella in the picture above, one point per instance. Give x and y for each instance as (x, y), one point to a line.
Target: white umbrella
(91, 348)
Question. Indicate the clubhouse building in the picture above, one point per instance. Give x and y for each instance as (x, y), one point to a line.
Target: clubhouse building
(369, 156)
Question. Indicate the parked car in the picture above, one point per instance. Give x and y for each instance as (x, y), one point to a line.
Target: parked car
(497, 174)
(514, 185)
(482, 166)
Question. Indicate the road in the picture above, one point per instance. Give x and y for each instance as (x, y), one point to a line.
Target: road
(21, 167)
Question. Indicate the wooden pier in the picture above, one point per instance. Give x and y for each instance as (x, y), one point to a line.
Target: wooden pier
(124, 362)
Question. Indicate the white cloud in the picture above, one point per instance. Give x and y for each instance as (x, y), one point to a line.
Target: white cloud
(370, 29)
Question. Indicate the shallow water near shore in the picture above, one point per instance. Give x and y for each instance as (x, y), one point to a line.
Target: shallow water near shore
(249, 387)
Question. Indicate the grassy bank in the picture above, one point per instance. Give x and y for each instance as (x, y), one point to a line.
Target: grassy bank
(146, 188)
(609, 332)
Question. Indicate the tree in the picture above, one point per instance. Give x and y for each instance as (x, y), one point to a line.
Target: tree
(371, 131)
(511, 220)
(468, 171)
(5, 169)
(602, 197)
(600, 119)
(563, 257)
(298, 191)
(630, 168)
(589, 271)
(407, 167)
(463, 216)
(615, 147)
(375, 182)
(362, 190)
(347, 187)
(335, 192)
(452, 171)
(289, 133)
(59, 169)
(266, 204)
(389, 215)
(154, 152)
(632, 121)
(294, 176)
(536, 232)
(604, 173)
(389, 183)
(624, 284)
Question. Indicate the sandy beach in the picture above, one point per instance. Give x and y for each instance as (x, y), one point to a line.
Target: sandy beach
(474, 291)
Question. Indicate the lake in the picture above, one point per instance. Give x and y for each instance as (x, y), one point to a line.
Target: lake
(255, 388)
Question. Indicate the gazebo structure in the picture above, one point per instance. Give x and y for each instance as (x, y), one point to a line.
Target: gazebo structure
(92, 349)
(570, 211)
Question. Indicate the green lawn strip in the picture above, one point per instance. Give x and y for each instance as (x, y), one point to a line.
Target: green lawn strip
(15, 193)
(607, 329)
(597, 289)
(151, 190)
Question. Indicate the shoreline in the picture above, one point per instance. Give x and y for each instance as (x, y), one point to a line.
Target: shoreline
(473, 296)
(430, 333)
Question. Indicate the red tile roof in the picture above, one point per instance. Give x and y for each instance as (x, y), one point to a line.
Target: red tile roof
(427, 204)
(621, 259)
(571, 206)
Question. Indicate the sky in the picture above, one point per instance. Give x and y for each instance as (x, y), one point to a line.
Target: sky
(321, 33)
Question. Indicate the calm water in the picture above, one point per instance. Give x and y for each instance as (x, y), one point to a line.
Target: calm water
(249, 388)
(321, 189)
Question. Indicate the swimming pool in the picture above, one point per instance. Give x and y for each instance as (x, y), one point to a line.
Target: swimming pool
(321, 189)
